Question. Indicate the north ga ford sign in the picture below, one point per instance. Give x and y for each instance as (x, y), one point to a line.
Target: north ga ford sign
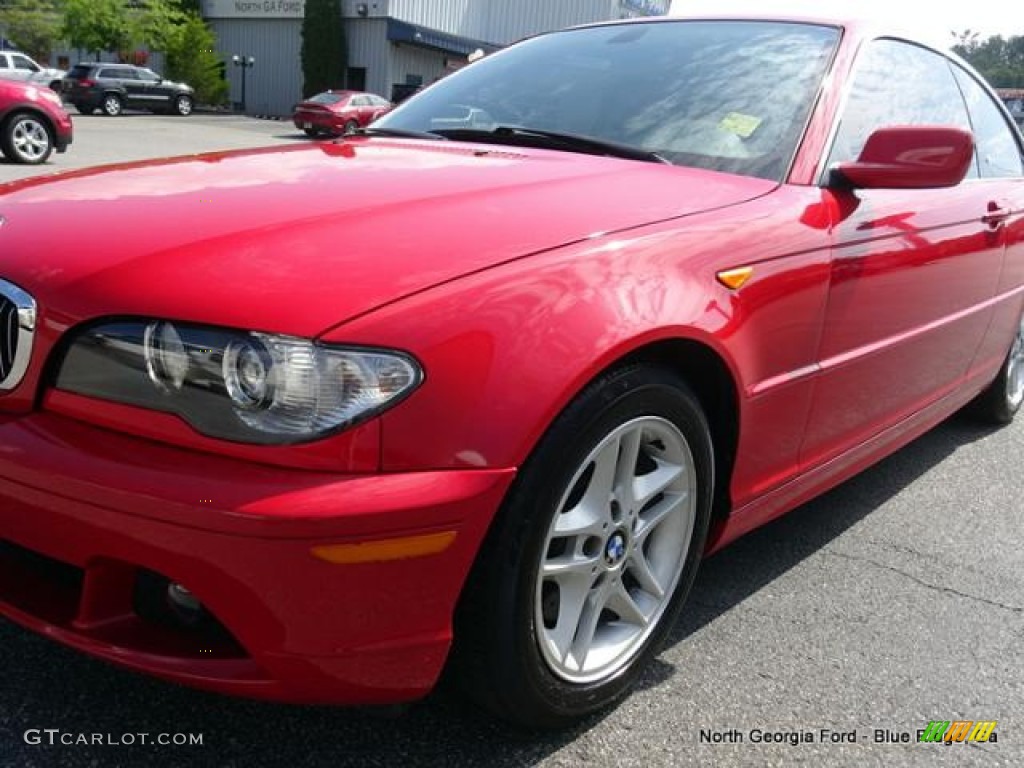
(646, 7)
(254, 9)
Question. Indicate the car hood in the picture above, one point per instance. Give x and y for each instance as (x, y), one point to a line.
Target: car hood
(299, 239)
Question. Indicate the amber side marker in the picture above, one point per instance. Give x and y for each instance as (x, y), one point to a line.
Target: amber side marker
(734, 279)
(386, 549)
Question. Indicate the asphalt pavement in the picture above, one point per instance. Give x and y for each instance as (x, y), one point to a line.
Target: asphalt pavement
(894, 600)
(101, 140)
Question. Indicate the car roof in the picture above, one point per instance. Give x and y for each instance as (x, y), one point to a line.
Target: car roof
(788, 11)
(848, 16)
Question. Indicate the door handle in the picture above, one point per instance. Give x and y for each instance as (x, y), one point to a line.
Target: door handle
(995, 215)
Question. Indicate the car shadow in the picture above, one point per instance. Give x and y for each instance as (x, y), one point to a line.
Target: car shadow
(48, 686)
(763, 555)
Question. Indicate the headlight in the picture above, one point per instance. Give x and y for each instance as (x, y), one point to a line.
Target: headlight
(235, 385)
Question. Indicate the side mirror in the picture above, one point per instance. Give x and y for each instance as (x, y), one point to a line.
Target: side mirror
(909, 157)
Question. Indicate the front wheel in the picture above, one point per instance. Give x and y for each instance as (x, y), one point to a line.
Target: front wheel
(26, 139)
(1002, 400)
(592, 555)
(183, 105)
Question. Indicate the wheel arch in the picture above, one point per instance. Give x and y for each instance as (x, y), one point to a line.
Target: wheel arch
(28, 109)
(706, 372)
(22, 108)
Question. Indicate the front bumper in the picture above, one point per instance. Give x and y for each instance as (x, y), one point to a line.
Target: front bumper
(84, 512)
(64, 136)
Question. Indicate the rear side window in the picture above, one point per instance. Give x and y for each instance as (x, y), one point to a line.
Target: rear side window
(924, 92)
(997, 150)
(114, 74)
(20, 62)
(327, 98)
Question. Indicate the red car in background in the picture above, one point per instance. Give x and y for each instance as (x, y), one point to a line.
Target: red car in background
(33, 122)
(481, 385)
(338, 113)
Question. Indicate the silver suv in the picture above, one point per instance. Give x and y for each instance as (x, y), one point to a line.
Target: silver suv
(17, 66)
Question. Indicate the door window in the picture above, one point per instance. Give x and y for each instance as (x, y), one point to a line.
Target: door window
(897, 83)
(999, 154)
(21, 62)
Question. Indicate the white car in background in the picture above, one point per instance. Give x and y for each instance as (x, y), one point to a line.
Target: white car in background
(15, 65)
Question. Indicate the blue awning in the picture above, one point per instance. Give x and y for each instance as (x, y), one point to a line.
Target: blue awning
(424, 37)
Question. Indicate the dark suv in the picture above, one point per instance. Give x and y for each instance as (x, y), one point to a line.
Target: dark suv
(115, 87)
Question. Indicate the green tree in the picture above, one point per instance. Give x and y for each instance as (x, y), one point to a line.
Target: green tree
(999, 60)
(155, 24)
(96, 25)
(33, 25)
(324, 47)
(192, 59)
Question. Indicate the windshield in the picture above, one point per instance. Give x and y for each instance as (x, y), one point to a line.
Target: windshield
(731, 96)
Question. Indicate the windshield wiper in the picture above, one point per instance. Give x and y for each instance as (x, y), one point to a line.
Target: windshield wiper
(511, 134)
(401, 133)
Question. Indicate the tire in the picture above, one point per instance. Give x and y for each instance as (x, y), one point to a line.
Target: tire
(57, 86)
(183, 105)
(1003, 398)
(350, 127)
(84, 109)
(532, 643)
(311, 132)
(27, 139)
(112, 105)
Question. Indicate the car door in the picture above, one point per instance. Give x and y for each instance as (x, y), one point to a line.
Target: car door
(379, 107)
(22, 67)
(1001, 171)
(363, 109)
(912, 271)
(158, 94)
(134, 88)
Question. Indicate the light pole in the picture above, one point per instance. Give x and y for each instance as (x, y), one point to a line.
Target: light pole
(246, 63)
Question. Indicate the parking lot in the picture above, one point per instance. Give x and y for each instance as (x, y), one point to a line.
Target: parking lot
(896, 599)
(100, 140)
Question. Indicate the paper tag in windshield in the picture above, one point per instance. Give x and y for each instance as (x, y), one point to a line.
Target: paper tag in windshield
(740, 124)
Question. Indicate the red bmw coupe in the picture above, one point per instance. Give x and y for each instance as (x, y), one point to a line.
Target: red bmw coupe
(482, 385)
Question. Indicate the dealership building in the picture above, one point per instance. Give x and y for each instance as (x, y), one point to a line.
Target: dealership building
(394, 46)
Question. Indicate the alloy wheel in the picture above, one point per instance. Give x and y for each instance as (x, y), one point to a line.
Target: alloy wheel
(112, 105)
(30, 140)
(616, 549)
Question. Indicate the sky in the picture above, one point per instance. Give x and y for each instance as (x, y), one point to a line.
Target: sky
(935, 19)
